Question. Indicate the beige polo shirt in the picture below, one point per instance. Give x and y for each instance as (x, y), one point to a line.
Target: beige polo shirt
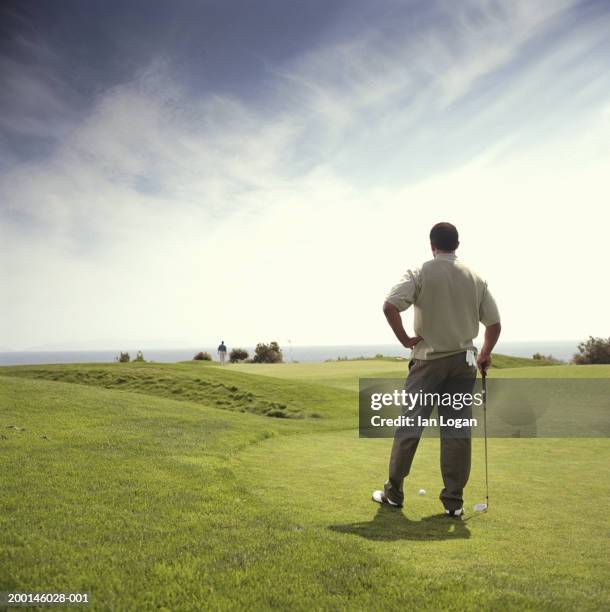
(449, 301)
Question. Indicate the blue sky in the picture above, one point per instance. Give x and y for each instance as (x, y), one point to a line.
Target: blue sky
(174, 172)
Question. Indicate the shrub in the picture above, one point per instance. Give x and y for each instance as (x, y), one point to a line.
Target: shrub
(237, 355)
(139, 356)
(268, 353)
(203, 356)
(123, 357)
(593, 350)
(541, 357)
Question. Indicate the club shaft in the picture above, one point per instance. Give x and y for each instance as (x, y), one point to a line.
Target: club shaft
(484, 377)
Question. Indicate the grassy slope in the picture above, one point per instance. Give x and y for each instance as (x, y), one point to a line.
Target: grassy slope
(146, 500)
(225, 388)
(135, 499)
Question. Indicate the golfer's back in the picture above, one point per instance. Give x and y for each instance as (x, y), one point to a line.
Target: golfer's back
(449, 301)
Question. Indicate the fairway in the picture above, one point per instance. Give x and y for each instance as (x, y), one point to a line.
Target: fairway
(190, 486)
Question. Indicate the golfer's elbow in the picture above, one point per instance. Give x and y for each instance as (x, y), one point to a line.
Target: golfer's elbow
(493, 330)
(389, 309)
(495, 327)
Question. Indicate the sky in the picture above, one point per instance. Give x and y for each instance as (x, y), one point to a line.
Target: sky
(177, 172)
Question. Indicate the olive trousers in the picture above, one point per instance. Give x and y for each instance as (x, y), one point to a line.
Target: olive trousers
(446, 375)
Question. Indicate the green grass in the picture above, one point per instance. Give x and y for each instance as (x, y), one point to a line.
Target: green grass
(345, 374)
(137, 483)
(527, 551)
(226, 388)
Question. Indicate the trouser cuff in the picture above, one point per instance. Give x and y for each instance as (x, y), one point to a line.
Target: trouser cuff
(451, 502)
(393, 492)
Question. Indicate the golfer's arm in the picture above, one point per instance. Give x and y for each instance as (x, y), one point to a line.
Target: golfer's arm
(394, 319)
(492, 333)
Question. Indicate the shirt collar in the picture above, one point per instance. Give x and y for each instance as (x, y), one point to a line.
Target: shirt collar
(446, 256)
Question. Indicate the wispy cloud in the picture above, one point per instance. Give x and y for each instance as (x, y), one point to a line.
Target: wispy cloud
(289, 214)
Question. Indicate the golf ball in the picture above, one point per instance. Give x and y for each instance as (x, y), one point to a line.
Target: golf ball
(422, 491)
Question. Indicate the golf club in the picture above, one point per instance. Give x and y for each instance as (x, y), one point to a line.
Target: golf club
(485, 506)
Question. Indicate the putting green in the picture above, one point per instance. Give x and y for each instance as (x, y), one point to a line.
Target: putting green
(339, 374)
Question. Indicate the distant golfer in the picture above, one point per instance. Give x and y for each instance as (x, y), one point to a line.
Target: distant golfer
(222, 352)
(449, 301)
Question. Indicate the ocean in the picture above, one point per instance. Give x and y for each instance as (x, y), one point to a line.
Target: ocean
(560, 349)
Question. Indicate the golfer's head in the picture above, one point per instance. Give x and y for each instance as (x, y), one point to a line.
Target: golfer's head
(444, 238)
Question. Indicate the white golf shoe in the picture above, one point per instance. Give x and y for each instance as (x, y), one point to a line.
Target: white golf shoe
(381, 498)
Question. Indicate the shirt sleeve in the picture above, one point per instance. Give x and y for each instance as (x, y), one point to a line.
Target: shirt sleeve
(488, 309)
(405, 292)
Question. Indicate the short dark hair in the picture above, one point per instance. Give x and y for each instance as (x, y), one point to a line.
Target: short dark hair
(444, 237)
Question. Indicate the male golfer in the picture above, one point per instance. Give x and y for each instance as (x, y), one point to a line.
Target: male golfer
(449, 301)
(222, 352)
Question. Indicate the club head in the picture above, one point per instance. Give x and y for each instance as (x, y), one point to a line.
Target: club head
(480, 507)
